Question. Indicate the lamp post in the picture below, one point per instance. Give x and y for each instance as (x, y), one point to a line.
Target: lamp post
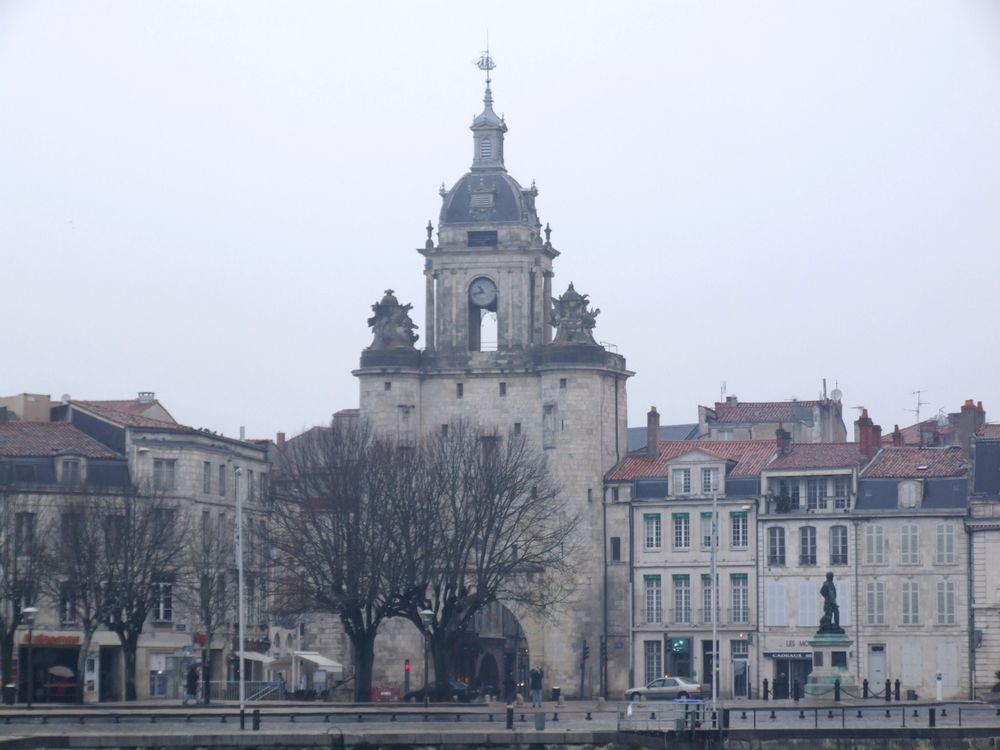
(239, 569)
(715, 603)
(28, 613)
(426, 616)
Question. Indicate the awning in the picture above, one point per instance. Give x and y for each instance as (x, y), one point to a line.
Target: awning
(253, 656)
(321, 662)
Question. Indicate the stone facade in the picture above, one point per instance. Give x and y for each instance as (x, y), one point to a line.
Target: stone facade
(144, 446)
(492, 264)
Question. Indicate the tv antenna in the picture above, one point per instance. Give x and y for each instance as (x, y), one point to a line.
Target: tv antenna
(918, 393)
(722, 391)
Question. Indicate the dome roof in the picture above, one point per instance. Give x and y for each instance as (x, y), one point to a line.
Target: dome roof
(484, 198)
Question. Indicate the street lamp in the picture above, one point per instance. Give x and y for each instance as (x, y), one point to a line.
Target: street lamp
(28, 613)
(426, 616)
(239, 594)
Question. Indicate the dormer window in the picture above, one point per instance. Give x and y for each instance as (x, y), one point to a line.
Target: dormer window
(486, 149)
(682, 481)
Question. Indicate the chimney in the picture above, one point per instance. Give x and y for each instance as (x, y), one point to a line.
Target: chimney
(970, 419)
(653, 433)
(280, 441)
(146, 397)
(897, 437)
(783, 440)
(731, 401)
(868, 435)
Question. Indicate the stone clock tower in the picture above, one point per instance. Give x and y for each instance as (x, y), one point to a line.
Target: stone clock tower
(489, 356)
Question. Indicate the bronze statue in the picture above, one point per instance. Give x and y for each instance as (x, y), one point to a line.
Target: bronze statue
(830, 621)
(572, 318)
(391, 324)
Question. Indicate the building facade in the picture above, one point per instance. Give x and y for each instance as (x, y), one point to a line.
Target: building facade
(51, 454)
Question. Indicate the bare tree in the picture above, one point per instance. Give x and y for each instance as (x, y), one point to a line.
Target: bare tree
(208, 558)
(143, 536)
(76, 569)
(338, 509)
(21, 548)
(497, 529)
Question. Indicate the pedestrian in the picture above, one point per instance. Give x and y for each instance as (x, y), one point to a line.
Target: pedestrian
(199, 696)
(191, 685)
(509, 688)
(536, 685)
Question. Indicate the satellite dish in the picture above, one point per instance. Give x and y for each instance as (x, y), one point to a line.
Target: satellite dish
(836, 395)
(65, 398)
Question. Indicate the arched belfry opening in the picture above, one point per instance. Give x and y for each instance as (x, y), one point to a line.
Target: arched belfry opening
(483, 328)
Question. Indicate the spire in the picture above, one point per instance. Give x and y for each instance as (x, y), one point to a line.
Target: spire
(487, 127)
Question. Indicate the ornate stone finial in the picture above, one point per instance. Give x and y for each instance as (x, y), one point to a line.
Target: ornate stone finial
(442, 192)
(430, 230)
(548, 241)
(391, 325)
(573, 319)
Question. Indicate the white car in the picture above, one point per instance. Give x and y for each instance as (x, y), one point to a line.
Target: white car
(666, 689)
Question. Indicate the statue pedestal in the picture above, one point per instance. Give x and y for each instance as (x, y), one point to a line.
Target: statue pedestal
(831, 662)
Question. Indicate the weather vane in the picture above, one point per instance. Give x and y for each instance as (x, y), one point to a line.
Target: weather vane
(485, 62)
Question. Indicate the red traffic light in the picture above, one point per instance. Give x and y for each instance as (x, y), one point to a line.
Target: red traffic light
(406, 665)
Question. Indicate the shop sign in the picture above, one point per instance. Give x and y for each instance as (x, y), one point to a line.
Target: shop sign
(788, 654)
(40, 639)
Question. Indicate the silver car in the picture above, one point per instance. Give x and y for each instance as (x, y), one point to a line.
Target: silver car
(666, 689)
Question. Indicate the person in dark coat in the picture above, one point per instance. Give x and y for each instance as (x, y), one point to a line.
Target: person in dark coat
(509, 689)
(191, 685)
(536, 685)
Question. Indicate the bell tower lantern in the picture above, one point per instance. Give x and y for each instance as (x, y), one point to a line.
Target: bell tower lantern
(489, 277)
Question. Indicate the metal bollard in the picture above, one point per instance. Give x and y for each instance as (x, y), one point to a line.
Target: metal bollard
(764, 690)
(897, 691)
(888, 691)
(836, 690)
(932, 717)
(510, 717)
(864, 688)
(256, 720)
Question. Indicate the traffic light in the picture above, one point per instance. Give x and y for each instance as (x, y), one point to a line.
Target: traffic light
(586, 651)
(406, 665)
(604, 649)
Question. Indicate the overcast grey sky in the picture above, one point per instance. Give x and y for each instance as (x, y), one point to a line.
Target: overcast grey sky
(204, 198)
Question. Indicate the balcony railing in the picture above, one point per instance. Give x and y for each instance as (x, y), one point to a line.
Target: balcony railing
(705, 616)
(650, 616)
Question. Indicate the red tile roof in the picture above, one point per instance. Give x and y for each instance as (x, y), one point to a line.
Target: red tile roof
(46, 439)
(989, 431)
(127, 416)
(912, 434)
(759, 411)
(750, 457)
(819, 456)
(905, 462)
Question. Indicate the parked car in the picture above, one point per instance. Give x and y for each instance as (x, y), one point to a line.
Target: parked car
(445, 692)
(666, 689)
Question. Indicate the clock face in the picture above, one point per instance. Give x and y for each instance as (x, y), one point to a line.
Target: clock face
(483, 292)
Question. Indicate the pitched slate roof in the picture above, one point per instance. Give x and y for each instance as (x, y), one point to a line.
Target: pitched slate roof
(906, 462)
(124, 413)
(750, 457)
(46, 439)
(989, 431)
(819, 456)
(762, 411)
